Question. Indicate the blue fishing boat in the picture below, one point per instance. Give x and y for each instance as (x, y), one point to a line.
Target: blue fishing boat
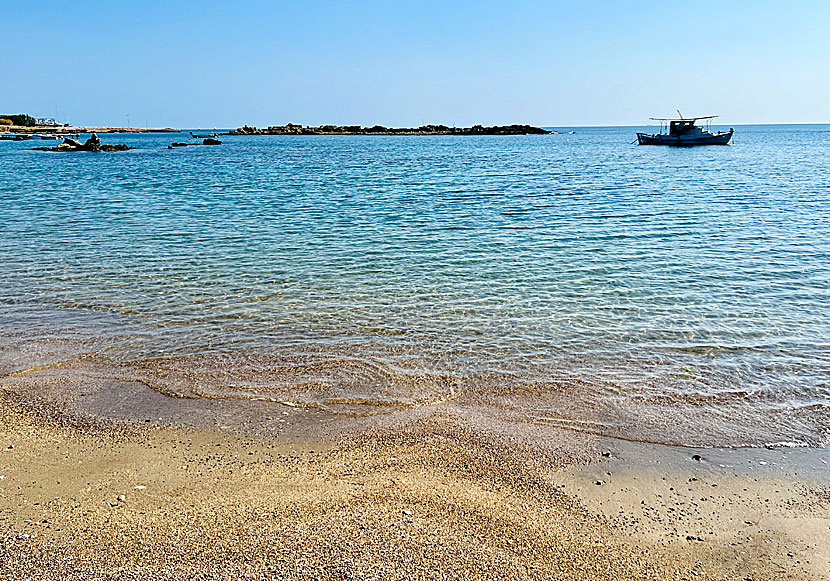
(684, 133)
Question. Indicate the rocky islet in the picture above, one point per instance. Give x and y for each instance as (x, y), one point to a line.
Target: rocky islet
(293, 129)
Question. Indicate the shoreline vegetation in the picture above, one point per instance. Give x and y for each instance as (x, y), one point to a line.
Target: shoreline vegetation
(293, 129)
(25, 124)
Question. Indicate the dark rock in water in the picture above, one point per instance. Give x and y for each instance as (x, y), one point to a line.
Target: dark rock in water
(92, 144)
(206, 141)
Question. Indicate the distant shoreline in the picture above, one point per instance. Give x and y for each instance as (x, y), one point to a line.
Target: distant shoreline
(64, 130)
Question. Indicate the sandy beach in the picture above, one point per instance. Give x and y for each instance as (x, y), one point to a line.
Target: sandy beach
(432, 497)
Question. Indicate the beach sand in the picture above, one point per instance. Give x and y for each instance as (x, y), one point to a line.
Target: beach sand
(433, 496)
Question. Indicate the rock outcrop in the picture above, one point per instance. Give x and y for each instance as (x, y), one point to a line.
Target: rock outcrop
(292, 129)
(205, 141)
(91, 144)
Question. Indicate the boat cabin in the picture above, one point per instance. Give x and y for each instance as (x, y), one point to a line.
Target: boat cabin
(683, 127)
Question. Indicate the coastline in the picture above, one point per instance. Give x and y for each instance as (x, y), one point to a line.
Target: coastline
(434, 495)
(61, 130)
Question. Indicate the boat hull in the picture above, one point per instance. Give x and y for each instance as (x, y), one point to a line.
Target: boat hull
(680, 141)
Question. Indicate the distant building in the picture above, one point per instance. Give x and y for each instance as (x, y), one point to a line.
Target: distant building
(47, 121)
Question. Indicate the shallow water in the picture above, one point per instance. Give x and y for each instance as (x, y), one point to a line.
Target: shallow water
(578, 280)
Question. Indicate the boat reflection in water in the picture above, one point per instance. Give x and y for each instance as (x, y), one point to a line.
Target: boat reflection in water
(684, 133)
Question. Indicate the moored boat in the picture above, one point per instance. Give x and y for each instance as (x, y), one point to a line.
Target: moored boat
(684, 133)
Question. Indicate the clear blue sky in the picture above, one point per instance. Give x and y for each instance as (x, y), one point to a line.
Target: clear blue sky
(205, 63)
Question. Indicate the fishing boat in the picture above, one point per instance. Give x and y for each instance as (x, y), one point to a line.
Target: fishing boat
(684, 133)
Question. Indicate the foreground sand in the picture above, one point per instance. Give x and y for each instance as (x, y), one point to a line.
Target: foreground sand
(432, 499)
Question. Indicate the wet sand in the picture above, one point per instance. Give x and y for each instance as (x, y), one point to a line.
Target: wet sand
(431, 495)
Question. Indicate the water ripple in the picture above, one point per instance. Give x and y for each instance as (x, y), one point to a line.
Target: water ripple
(680, 274)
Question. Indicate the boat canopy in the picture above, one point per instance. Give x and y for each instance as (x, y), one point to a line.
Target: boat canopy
(682, 118)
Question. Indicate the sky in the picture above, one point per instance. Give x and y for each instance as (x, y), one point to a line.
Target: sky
(224, 64)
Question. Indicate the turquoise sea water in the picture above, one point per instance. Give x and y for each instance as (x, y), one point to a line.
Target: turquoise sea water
(576, 280)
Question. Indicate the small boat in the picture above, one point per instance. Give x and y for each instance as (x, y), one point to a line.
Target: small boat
(212, 135)
(684, 133)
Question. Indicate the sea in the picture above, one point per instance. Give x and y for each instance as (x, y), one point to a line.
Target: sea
(573, 280)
